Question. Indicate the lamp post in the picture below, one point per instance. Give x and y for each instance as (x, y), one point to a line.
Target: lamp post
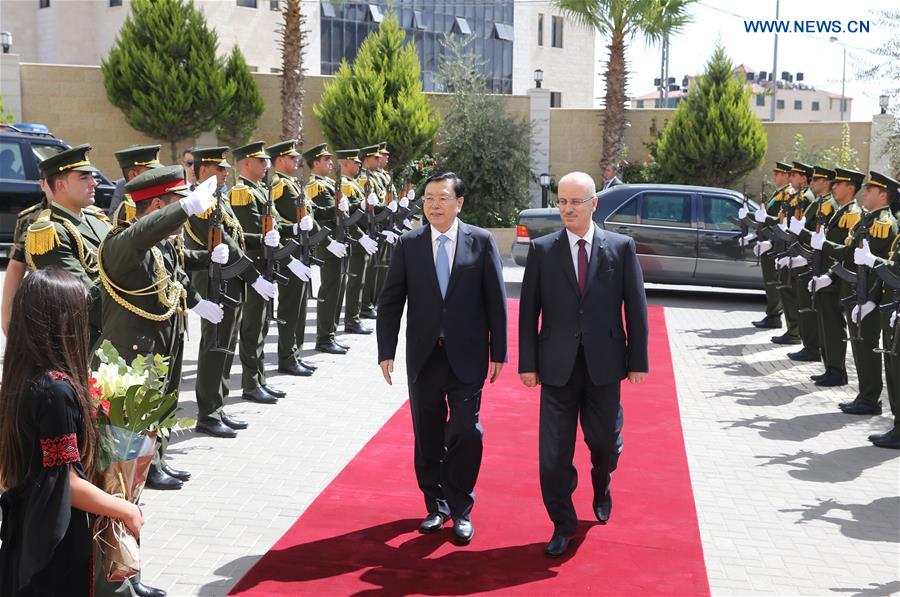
(538, 77)
(843, 76)
(883, 103)
(545, 188)
(6, 41)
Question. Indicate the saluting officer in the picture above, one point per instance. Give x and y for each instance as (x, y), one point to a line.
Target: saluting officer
(135, 160)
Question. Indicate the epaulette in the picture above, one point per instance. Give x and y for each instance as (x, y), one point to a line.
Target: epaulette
(826, 208)
(205, 215)
(30, 210)
(278, 189)
(240, 195)
(849, 219)
(348, 189)
(96, 212)
(314, 188)
(42, 236)
(881, 228)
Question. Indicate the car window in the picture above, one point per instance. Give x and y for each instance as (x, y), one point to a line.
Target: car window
(666, 209)
(716, 210)
(42, 152)
(11, 166)
(626, 214)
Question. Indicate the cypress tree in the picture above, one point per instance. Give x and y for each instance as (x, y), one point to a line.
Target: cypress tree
(163, 73)
(714, 138)
(240, 115)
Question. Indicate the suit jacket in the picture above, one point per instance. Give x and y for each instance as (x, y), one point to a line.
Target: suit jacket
(472, 315)
(614, 181)
(568, 319)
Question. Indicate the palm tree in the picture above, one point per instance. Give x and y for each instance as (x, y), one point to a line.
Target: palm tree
(293, 41)
(620, 21)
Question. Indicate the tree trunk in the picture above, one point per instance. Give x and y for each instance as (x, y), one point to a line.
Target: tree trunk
(174, 148)
(614, 109)
(293, 41)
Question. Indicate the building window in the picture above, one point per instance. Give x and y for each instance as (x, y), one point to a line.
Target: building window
(760, 100)
(252, 68)
(540, 29)
(555, 99)
(43, 3)
(798, 105)
(275, 5)
(557, 39)
(328, 10)
(504, 32)
(640, 104)
(275, 70)
(815, 106)
(247, 3)
(779, 104)
(374, 13)
(115, 3)
(418, 20)
(461, 26)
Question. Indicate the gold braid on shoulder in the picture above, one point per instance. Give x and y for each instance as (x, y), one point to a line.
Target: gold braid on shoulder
(171, 293)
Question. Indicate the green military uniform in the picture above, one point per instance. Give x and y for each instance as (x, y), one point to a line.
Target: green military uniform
(358, 260)
(24, 220)
(376, 270)
(767, 261)
(213, 365)
(137, 156)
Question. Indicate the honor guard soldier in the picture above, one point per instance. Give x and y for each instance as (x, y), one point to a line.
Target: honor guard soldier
(874, 231)
(218, 341)
(321, 191)
(372, 173)
(135, 160)
(765, 218)
(290, 202)
(359, 261)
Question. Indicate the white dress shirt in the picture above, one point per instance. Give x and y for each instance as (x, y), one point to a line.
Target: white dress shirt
(573, 246)
(449, 245)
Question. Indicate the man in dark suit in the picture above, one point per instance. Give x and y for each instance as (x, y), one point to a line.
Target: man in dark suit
(577, 283)
(611, 176)
(450, 277)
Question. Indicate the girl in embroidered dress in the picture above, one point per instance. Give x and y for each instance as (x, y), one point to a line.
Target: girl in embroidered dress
(47, 444)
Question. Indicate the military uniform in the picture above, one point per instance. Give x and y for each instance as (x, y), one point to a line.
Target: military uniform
(24, 220)
(358, 261)
(377, 263)
(766, 260)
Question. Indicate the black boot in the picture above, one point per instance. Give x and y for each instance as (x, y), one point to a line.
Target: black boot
(142, 590)
(831, 378)
(159, 479)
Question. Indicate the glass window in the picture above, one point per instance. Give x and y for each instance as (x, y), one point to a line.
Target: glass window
(42, 152)
(798, 105)
(540, 29)
(504, 32)
(716, 210)
(557, 40)
(640, 104)
(461, 26)
(815, 106)
(275, 5)
(11, 166)
(666, 209)
(418, 20)
(113, 3)
(375, 14)
(627, 214)
(760, 100)
(555, 99)
(43, 3)
(328, 10)
(779, 104)
(247, 3)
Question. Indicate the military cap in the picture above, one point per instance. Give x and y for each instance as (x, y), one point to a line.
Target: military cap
(319, 151)
(211, 155)
(138, 155)
(382, 148)
(851, 176)
(782, 167)
(820, 172)
(288, 147)
(157, 182)
(802, 168)
(347, 154)
(371, 150)
(877, 179)
(250, 150)
(70, 160)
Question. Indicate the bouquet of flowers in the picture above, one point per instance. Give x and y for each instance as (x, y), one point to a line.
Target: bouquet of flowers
(131, 411)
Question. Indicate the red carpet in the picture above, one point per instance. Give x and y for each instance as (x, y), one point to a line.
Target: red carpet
(358, 536)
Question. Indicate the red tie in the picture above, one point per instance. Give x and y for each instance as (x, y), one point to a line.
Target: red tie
(582, 265)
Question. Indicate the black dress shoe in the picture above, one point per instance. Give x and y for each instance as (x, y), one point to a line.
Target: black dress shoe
(368, 314)
(463, 530)
(142, 590)
(786, 339)
(174, 472)
(832, 378)
(357, 328)
(803, 355)
(858, 407)
(819, 376)
(557, 546)
(603, 508)
(768, 323)
(331, 348)
(344, 346)
(890, 440)
(159, 479)
(214, 427)
(307, 364)
(273, 391)
(233, 423)
(432, 523)
(295, 369)
(259, 395)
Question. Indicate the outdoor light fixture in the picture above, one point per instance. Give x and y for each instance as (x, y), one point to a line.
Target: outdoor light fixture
(882, 103)
(6, 40)
(545, 178)
(538, 77)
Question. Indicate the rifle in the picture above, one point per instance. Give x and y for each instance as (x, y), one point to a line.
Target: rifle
(860, 278)
(217, 285)
(815, 259)
(891, 280)
(272, 255)
(344, 222)
(307, 242)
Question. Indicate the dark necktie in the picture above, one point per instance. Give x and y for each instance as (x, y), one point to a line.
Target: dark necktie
(582, 265)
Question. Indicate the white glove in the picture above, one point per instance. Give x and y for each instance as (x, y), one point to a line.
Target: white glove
(299, 269)
(893, 320)
(344, 205)
(372, 199)
(390, 237)
(796, 225)
(392, 206)
(782, 226)
(337, 249)
(799, 261)
(863, 255)
(819, 282)
(762, 247)
(209, 311)
(745, 240)
(404, 201)
(306, 223)
(867, 308)
(817, 241)
(266, 289)
(781, 262)
(370, 245)
(201, 199)
(272, 238)
(219, 254)
(407, 223)
(760, 215)
(743, 212)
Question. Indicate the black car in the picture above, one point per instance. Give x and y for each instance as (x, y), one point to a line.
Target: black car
(20, 152)
(682, 233)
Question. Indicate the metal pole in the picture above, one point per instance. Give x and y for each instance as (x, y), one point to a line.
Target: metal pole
(544, 197)
(775, 62)
(662, 74)
(843, 83)
(666, 72)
